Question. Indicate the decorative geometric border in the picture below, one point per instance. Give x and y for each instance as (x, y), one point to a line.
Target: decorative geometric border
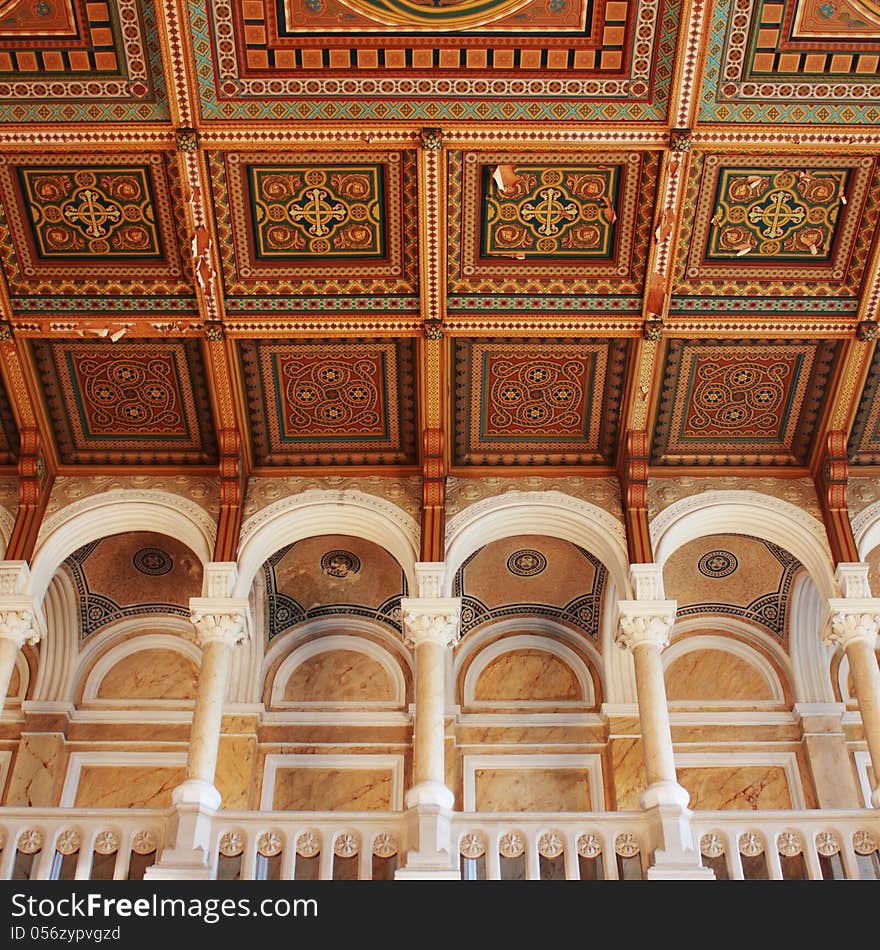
(70, 428)
(854, 234)
(864, 440)
(768, 610)
(29, 276)
(728, 97)
(481, 98)
(597, 445)
(137, 93)
(468, 275)
(397, 447)
(583, 612)
(397, 274)
(806, 403)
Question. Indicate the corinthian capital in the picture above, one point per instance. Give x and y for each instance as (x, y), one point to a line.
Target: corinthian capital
(19, 625)
(431, 620)
(848, 626)
(225, 619)
(645, 621)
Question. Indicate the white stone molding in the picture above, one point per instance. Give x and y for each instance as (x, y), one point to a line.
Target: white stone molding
(618, 670)
(429, 577)
(743, 651)
(58, 652)
(591, 764)
(645, 621)
(327, 644)
(549, 513)
(537, 642)
(77, 761)
(172, 641)
(365, 634)
(852, 579)
(810, 655)
(117, 512)
(226, 619)
(431, 620)
(866, 529)
(21, 616)
(746, 512)
(787, 761)
(275, 762)
(862, 762)
(852, 619)
(647, 581)
(318, 512)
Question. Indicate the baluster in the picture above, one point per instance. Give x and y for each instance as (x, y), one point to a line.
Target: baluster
(365, 859)
(288, 858)
(734, 861)
(811, 857)
(7, 857)
(771, 855)
(848, 856)
(325, 866)
(609, 855)
(249, 859)
(493, 860)
(84, 862)
(533, 859)
(123, 859)
(572, 866)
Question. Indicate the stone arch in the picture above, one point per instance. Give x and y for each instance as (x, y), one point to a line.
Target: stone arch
(550, 513)
(746, 512)
(117, 512)
(321, 511)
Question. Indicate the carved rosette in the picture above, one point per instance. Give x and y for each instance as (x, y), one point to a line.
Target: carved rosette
(145, 842)
(589, 846)
(512, 844)
(711, 845)
(827, 843)
(68, 841)
(789, 844)
(231, 844)
(107, 842)
(20, 626)
(472, 845)
(30, 841)
(227, 626)
(626, 845)
(308, 844)
(269, 844)
(864, 842)
(751, 844)
(550, 845)
(384, 845)
(346, 845)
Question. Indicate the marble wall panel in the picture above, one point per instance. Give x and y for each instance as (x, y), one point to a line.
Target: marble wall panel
(743, 787)
(627, 771)
(151, 674)
(328, 789)
(522, 675)
(532, 790)
(135, 786)
(339, 676)
(234, 778)
(37, 770)
(714, 675)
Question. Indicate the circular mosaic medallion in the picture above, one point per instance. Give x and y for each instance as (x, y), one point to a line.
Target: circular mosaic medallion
(153, 562)
(718, 564)
(526, 563)
(340, 563)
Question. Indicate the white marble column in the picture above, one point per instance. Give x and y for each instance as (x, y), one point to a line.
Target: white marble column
(645, 625)
(431, 627)
(219, 627)
(854, 623)
(21, 621)
(221, 621)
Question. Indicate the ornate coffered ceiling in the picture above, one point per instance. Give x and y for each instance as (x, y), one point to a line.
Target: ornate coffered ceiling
(329, 235)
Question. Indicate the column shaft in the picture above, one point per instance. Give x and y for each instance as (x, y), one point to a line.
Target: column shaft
(204, 740)
(653, 713)
(866, 680)
(429, 728)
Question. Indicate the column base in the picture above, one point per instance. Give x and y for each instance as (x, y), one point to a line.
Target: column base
(675, 857)
(188, 855)
(432, 794)
(197, 792)
(429, 853)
